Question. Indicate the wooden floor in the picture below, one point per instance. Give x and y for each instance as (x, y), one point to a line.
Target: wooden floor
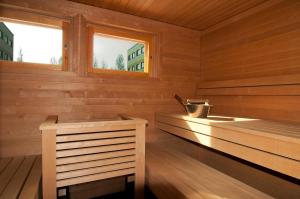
(20, 177)
(171, 174)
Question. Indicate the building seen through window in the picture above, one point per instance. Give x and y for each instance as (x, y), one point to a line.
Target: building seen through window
(136, 63)
(6, 41)
(117, 53)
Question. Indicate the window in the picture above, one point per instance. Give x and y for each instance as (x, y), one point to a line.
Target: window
(111, 46)
(32, 43)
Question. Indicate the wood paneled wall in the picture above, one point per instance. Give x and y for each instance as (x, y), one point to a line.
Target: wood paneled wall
(251, 67)
(29, 94)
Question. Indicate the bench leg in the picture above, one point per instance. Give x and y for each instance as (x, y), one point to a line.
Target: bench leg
(49, 164)
(140, 162)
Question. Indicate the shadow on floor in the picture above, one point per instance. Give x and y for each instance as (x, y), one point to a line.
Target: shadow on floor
(128, 194)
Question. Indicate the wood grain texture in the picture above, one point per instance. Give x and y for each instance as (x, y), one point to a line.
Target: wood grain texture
(94, 170)
(33, 182)
(140, 161)
(92, 157)
(21, 177)
(171, 174)
(94, 177)
(14, 187)
(267, 182)
(49, 164)
(250, 67)
(97, 158)
(275, 138)
(198, 15)
(9, 172)
(266, 153)
(29, 94)
(103, 162)
(93, 136)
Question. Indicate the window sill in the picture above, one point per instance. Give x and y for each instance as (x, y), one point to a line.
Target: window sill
(26, 67)
(106, 73)
(30, 65)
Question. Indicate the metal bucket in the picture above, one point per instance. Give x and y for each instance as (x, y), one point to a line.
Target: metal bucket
(198, 109)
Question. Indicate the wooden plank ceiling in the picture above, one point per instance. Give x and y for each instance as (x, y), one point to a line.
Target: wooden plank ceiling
(194, 14)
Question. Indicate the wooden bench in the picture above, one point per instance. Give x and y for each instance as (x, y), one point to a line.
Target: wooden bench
(20, 177)
(273, 145)
(171, 174)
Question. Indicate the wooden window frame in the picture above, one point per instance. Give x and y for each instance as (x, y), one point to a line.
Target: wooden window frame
(28, 17)
(121, 33)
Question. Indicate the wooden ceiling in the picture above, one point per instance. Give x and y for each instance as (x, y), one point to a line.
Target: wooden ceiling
(194, 14)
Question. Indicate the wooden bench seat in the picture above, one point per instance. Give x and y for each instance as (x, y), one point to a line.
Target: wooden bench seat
(20, 177)
(171, 174)
(273, 145)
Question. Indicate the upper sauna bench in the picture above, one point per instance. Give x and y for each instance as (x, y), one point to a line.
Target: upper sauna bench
(273, 145)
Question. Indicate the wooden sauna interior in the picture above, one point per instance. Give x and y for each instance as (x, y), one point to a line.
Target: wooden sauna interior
(241, 55)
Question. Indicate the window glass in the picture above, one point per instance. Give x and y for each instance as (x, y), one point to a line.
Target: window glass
(117, 53)
(29, 43)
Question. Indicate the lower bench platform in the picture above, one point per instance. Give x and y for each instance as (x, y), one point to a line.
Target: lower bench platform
(20, 177)
(171, 174)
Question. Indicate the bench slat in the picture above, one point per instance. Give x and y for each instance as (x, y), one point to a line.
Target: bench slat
(31, 186)
(93, 136)
(15, 185)
(253, 140)
(95, 177)
(91, 164)
(92, 143)
(188, 178)
(91, 157)
(95, 170)
(9, 172)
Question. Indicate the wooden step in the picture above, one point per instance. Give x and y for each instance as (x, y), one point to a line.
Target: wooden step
(172, 174)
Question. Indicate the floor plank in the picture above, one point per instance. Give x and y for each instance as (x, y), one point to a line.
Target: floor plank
(9, 172)
(15, 185)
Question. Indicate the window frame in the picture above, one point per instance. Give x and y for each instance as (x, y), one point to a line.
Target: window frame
(37, 19)
(120, 33)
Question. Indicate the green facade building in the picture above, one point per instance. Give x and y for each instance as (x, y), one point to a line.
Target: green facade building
(135, 58)
(6, 43)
